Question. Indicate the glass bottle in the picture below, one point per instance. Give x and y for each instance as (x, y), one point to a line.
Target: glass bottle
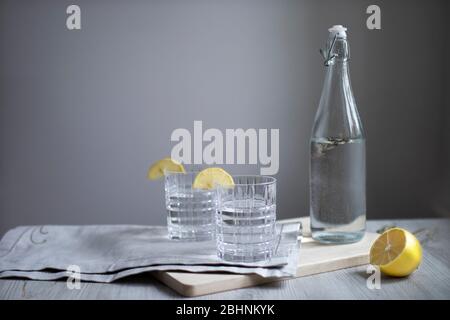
(338, 153)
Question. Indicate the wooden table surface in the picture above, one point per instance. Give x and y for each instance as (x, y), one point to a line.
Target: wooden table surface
(431, 281)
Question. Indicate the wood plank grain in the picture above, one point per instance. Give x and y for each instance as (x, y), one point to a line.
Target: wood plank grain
(431, 281)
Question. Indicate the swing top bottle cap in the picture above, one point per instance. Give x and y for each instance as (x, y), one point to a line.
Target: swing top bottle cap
(339, 30)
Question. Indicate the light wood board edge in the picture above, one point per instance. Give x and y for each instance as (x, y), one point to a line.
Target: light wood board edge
(236, 281)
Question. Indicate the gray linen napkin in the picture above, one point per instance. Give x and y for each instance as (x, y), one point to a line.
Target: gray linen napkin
(105, 253)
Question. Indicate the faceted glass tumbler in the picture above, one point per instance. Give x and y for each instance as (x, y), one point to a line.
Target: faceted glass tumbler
(246, 216)
(190, 212)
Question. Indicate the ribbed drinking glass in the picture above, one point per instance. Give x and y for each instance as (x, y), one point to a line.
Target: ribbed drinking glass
(190, 212)
(246, 219)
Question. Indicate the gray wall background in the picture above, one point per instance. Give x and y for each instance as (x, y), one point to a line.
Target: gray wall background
(444, 204)
(83, 113)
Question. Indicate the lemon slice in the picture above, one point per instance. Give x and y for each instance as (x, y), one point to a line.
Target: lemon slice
(156, 170)
(211, 177)
(397, 252)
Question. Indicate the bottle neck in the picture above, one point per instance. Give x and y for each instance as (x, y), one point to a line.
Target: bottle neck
(338, 103)
(337, 115)
(339, 49)
(338, 76)
(337, 67)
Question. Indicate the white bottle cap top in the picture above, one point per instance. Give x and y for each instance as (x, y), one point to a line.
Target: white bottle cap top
(339, 30)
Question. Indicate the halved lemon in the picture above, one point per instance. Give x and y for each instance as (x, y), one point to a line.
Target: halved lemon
(156, 170)
(397, 252)
(211, 177)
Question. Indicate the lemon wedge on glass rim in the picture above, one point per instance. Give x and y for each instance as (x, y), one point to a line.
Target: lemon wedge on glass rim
(157, 169)
(211, 177)
(397, 252)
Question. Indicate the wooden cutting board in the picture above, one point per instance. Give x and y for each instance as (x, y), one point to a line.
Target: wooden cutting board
(313, 258)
